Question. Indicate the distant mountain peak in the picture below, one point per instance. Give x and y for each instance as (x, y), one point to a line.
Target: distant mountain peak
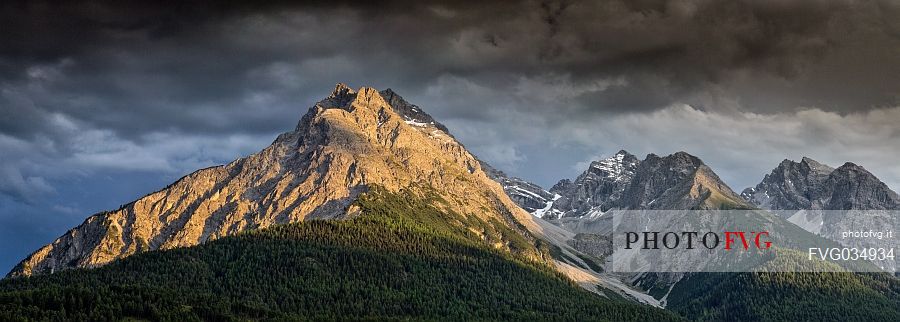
(622, 181)
(808, 160)
(852, 166)
(684, 158)
(810, 185)
(816, 165)
(682, 154)
(341, 96)
(619, 167)
(341, 89)
(786, 162)
(678, 181)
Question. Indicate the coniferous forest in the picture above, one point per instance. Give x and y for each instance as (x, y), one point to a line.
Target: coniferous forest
(787, 296)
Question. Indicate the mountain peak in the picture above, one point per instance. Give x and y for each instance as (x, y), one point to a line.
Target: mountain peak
(851, 166)
(619, 167)
(811, 185)
(596, 188)
(816, 165)
(679, 161)
(686, 156)
(344, 145)
(339, 98)
(341, 89)
(678, 181)
(856, 170)
(677, 158)
(853, 187)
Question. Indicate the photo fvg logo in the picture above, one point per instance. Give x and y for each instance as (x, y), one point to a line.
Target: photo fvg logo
(690, 239)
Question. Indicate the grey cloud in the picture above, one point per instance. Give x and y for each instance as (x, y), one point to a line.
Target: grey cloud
(740, 145)
(128, 75)
(743, 146)
(21, 188)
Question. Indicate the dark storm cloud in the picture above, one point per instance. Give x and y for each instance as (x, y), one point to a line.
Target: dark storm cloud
(122, 75)
(196, 52)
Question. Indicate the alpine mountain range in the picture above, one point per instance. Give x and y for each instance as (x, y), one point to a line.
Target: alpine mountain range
(683, 181)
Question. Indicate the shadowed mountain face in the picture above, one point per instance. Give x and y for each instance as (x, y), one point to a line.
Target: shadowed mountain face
(811, 185)
(527, 195)
(344, 143)
(828, 202)
(677, 181)
(598, 187)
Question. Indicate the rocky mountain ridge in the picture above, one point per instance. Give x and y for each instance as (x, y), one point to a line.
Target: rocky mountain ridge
(622, 181)
(830, 201)
(810, 185)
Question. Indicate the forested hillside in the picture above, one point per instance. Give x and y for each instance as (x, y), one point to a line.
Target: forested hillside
(401, 259)
(787, 297)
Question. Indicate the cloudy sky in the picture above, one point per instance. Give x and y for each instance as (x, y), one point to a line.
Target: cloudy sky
(101, 103)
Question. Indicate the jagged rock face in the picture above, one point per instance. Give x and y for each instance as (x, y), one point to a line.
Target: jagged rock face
(678, 181)
(810, 185)
(854, 188)
(791, 185)
(527, 195)
(598, 187)
(344, 143)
